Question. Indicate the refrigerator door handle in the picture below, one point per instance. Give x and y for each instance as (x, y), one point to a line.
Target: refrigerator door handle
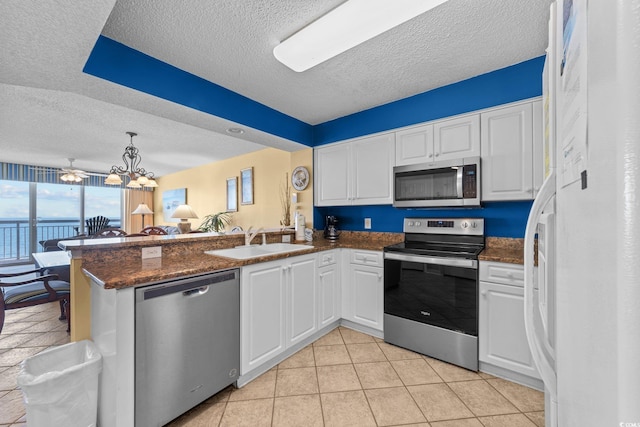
(542, 359)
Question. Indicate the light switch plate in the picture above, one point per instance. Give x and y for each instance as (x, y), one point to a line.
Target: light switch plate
(152, 252)
(367, 223)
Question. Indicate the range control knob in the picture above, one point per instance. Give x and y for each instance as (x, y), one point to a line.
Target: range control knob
(410, 223)
(465, 224)
(418, 224)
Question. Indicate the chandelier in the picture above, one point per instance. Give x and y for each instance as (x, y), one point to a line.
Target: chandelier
(138, 177)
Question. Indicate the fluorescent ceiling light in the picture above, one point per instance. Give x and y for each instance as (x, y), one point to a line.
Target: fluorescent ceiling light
(346, 26)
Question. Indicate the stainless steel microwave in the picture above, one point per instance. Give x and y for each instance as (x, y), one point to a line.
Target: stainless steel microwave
(446, 183)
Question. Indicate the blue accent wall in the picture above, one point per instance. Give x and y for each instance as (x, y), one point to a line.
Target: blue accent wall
(502, 219)
(118, 63)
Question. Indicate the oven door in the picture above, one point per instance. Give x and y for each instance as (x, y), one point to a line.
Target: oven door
(441, 292)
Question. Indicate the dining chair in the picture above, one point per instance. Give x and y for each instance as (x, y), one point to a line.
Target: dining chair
(110, 232)
(153, 231)
(28, 291)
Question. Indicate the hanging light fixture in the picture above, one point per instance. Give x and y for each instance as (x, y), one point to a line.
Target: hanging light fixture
(138, 177)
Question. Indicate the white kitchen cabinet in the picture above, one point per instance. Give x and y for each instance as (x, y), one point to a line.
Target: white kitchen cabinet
(503, 347)
(440, 140)
(328, 275)
(510, 166)
(277, 308)
(456, 138)
(262, 313)
(356, 172)
(301, 306)
(363, 288)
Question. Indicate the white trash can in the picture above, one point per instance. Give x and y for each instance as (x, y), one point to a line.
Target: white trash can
(60, 385)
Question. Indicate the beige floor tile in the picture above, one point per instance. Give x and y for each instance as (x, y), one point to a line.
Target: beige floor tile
(397, 353)
(302, 359)
(482, 399)
(415, 371)
(248, 413)
(11, 406)
(486, 376)
(377, 375)
(331, 355)
(467, 422)
(537, 418)
(524, 398)
(201, 416)
(46, 339)
(13, 328)
(8, 378)
(451, 373)
(354, 337)
(366, 352)
(511, 420)
(332, 338)
(346, 409)
(15, 356)
(438, 402)
(296, 381)
(337, 378)
(262, 387)
(392, 406)
(9, 341)
(46, 326)
(295, 411)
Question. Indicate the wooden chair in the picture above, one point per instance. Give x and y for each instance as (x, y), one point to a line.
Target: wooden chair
(34, 291)
(95, 224)
(153, 231)
(111, 232)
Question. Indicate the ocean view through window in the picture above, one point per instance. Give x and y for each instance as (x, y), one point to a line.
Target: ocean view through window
(33, 212)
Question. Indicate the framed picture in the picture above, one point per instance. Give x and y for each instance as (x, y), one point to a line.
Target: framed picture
(232, 194)
(246, 179)
(171, 199)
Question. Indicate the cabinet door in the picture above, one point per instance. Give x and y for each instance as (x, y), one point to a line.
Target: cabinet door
(262, 314)
(414, 145)
(538, 150)
(328, 295)
(507, 149)
(373, 160)
(332, 175)
(456, 138)
(366, 288)
(302, 318)
(502, 338)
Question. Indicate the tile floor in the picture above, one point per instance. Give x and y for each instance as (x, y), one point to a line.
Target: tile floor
(346, 378)
(27, 331)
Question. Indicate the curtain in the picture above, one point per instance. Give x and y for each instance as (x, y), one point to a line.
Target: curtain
(132, 198)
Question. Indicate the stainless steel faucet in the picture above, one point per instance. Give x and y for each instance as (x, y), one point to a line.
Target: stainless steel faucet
(248, 235)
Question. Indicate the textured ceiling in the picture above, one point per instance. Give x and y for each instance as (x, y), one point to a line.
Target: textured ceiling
(50, 110)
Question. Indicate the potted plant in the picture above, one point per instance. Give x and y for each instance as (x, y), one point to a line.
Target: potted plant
(215, 222)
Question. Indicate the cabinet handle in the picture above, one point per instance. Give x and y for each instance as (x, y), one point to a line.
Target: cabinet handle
(379, 276)
(437, 154)
(430, 155)
(483, 293)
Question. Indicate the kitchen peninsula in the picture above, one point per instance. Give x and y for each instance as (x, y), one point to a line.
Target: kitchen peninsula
(106, 273)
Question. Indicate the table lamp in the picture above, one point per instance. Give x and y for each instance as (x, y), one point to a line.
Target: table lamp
(184, 212)
(143, 210)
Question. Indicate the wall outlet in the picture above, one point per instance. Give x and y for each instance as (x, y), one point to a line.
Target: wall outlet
(367, 223)
(152, 252)
(286, 238)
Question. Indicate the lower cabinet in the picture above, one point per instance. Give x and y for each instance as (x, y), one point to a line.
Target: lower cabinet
(363, 288)
(277, 308)
(328, 276)
(503, 346)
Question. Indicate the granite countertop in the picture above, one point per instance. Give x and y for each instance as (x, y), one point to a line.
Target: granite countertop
(501, 249)
(117, 272)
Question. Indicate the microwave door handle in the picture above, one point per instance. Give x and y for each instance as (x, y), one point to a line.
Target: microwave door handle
(459, 182)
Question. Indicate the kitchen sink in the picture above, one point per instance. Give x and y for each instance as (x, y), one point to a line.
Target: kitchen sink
(255, 251)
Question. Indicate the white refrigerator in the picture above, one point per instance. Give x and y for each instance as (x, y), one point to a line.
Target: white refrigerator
(582, 300)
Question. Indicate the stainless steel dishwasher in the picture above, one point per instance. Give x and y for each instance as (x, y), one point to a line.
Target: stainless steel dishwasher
(187, 339)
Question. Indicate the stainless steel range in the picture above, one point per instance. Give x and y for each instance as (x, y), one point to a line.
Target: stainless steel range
(431, 289)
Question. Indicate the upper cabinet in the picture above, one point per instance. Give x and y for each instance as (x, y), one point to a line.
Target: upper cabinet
(508, 161)
(441, 140)
(357, 172)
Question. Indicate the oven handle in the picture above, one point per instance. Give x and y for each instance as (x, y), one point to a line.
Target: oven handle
(452, 262)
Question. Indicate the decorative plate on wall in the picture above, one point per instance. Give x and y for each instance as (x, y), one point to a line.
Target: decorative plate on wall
(300, 178)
